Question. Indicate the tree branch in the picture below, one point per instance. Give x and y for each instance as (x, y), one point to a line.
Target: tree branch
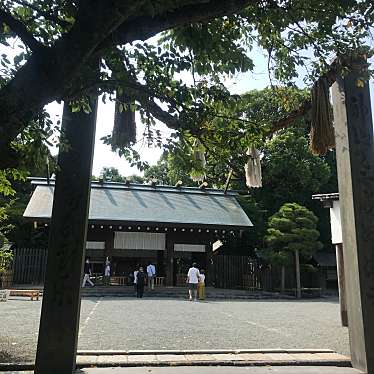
(305, 107)
(49, 73)
(20, 29)
(143, 27)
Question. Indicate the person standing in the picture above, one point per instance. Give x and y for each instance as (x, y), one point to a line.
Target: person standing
(193, 276)
(151, 274)
(87, 273)
(201, 285)
(107, 271)
(140, 282)
(135, 277)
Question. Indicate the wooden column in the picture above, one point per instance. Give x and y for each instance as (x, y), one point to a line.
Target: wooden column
(169, 260)
(59, 322)
(355, 163)
(109, 242)
(341, 283)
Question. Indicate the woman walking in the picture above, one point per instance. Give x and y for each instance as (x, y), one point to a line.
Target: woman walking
(201, 285)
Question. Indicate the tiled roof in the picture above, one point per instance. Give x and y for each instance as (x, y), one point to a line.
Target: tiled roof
(118, 202)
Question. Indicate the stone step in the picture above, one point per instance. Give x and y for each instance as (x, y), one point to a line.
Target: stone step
(212, 358)
(169, 292)
(180, 292)
(201, 358)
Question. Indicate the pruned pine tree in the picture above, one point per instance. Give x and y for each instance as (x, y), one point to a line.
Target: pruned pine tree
(292, 231)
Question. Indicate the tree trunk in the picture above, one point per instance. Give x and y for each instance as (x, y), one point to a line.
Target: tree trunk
(298, 280)
(283, 279)
(59, 322)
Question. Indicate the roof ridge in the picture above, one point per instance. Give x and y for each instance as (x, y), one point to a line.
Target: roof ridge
(38, 181)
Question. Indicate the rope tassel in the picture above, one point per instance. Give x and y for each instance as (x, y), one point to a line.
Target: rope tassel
(253, 173)
(124, 129)
(198, 161)
(322, 137)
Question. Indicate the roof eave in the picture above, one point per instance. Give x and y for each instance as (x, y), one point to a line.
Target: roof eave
(106, 222)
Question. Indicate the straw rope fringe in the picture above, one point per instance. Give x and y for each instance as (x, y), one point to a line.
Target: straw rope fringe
(322, 137)
(124, 129)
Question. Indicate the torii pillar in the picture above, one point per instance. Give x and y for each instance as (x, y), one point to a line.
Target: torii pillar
(355, 164)
(59, 322)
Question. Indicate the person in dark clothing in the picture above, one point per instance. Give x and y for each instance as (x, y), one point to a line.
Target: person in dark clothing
(140, 282)
(87, 273)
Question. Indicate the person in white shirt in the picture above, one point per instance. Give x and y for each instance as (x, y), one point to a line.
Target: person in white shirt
(151, 274)
(193, 277)
(107, 272)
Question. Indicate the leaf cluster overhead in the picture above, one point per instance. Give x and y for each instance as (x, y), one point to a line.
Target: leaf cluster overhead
(58, 44)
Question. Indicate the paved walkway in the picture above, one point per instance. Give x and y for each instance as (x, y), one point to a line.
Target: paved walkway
(167, 324)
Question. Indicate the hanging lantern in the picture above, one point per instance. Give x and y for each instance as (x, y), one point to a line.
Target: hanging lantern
(253, 175)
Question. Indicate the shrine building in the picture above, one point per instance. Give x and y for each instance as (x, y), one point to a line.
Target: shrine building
(135, 224)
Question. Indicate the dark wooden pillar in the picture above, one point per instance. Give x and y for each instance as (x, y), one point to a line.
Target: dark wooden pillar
(355, 162)
(59, 322)
(109, 242)
(341, 283)
(169, 260)
(160, 263)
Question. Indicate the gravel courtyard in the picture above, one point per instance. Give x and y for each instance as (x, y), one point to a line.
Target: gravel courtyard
(125, 323)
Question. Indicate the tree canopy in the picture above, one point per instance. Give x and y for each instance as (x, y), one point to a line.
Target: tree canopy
(292, 228)
(58, 45)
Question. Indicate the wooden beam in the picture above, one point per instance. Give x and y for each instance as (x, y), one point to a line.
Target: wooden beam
(59, 323)
(355, 165)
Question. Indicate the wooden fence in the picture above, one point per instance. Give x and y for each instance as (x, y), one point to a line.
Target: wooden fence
(240, 272)
(29, 265)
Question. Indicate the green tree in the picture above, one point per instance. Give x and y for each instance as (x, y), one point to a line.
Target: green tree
(159, 172)
(173, 166)
(290, 171)
(6, 257)
(111, 174)
(5, 254)
(292, 232)
(134, 178)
